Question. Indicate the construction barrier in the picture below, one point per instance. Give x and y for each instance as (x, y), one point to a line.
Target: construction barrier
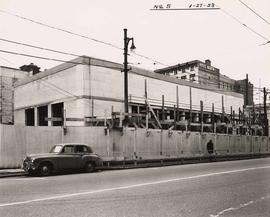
(123, 144)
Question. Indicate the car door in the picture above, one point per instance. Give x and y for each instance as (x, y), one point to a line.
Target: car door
(81, 151)
(68, 158)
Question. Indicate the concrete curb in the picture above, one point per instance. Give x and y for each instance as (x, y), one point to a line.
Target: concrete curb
(14, 173)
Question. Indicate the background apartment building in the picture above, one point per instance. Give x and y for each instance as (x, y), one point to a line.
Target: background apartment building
(204, 73)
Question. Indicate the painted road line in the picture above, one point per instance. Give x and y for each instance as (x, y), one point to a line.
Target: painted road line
(132, 186)
(23, 179)
(240, 206)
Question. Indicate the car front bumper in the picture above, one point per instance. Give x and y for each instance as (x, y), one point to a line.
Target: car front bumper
(28, 166)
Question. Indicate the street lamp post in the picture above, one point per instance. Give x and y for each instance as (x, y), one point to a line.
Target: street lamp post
(126, 69)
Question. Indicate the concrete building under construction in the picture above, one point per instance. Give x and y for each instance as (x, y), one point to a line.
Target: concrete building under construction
(87, 91)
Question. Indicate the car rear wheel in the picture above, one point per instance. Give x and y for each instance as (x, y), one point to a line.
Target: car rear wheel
(45, 169)
(89, 167)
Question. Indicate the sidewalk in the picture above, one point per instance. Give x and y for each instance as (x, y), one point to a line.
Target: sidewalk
(11, 172)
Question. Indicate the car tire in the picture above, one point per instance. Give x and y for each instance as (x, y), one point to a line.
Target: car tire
(89, 167)
(45, 169)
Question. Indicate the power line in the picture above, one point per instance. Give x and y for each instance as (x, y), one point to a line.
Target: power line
(148, 58)
(254, 12)
(37, 47)
(265, 43)
(72, 62)
(246, 26)
(45, 58)
(60, 29)
(66, 53)
(57, 60)
(79, 35)
(64, 61)
(39, 57)
(71, 54)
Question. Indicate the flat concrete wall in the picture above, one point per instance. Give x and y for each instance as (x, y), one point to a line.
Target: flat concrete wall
(18, 141)
(91, 90)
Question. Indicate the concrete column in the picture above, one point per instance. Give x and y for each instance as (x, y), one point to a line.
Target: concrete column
(49, 114)
(36, 116)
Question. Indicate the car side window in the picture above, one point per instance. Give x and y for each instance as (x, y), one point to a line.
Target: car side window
(81, 149)
(90, 149)
(68, 149)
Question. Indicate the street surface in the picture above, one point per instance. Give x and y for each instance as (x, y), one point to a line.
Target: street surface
(220, 189)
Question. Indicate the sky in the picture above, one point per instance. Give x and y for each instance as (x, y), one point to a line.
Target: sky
(231, 37)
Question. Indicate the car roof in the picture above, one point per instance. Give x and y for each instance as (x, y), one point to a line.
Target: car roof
(63, 144)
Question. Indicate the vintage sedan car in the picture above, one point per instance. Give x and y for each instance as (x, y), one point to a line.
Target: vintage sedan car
(68, 156)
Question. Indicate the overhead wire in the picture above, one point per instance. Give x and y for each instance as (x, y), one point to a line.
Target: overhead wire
(83, 36)
(257, 14)
(60, 52)
(52, 59)
(57, 60)
(38, 47)
(243, 24)
(79, 35)
(59, 29)
(38, 57)
(76, 63)
(72, 62)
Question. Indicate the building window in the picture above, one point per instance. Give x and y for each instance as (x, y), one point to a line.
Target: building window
(184, 77)
(183, 70)
(42, 113)
(192, 77)
(57, 114)
(135, 109)
(30, 117)
(192, 68)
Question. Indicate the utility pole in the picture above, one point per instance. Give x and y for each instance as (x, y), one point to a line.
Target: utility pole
(126, 69)
(246, 91)
(266, 127)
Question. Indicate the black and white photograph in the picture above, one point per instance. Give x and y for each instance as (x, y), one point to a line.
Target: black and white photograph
(125, 108)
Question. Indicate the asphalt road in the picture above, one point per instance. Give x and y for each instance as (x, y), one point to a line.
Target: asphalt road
(235, 188)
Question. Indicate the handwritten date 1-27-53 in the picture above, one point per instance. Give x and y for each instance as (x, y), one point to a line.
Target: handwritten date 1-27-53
(200, 5)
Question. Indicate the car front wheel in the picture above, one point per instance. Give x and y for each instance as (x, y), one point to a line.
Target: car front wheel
(89, 167)
(45, 169)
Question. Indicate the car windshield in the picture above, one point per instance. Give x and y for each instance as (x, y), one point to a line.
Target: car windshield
(56, 149)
